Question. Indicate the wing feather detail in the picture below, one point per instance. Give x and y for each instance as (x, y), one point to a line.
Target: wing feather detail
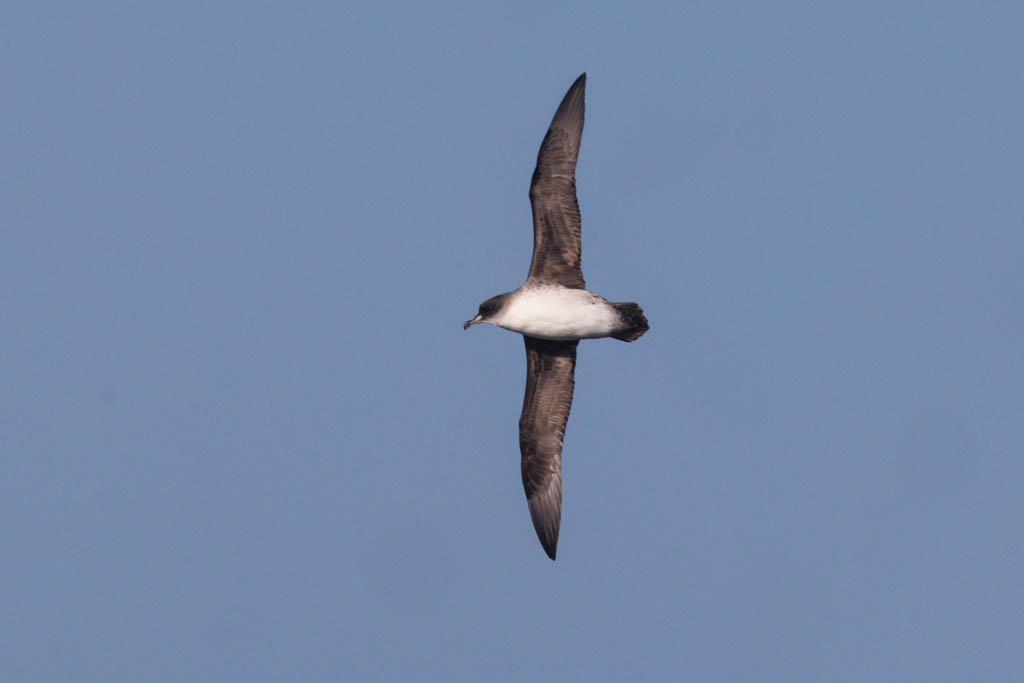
(550, 378)
(556, 213)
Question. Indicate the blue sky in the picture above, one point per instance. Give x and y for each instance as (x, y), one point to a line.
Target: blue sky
(243, 435)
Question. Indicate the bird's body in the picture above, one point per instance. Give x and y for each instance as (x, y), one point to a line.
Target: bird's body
(553, 311)
(556, 313)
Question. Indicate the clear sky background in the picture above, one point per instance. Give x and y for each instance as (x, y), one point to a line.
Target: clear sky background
(243, 435)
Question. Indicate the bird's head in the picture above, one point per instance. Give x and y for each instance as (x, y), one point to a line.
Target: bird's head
(487, 311)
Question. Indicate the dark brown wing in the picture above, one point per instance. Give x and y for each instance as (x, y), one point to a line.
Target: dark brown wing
(556, 214)
(550, 368)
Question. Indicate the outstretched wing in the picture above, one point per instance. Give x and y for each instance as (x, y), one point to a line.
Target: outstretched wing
(556, 213)
(550, 369)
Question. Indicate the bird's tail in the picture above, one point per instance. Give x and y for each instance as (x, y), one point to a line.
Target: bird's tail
(634, 324)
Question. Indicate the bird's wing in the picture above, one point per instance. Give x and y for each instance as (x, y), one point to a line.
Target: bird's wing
(556, 214)
(550, 368)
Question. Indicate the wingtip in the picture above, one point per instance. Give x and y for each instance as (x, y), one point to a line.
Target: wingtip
(550, 545)
(546, 513)
(569, 115)
(580, 82)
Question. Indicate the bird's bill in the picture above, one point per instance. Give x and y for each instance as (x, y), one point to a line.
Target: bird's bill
(469, 323)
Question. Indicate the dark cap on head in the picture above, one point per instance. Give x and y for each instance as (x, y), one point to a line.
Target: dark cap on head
(486, 310)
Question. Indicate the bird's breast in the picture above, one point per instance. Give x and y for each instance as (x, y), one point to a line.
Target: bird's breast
(558, 313)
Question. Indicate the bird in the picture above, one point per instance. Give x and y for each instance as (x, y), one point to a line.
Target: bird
(553, 311)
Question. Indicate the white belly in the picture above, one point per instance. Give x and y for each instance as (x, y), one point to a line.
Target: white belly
(559, 313)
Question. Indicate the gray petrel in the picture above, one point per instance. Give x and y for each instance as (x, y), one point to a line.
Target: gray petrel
(553, 310)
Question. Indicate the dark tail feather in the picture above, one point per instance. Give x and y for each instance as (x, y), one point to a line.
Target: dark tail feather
(634, 324)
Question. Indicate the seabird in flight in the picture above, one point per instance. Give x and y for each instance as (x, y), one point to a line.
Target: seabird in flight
(553, 310)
